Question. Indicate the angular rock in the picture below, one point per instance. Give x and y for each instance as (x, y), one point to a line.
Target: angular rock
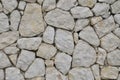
(116, 7)
(31, 26)
(49, 63)
(89, 35)
(110, 42)
(4, 24)
(95, 20)
(13, 73)
(36, 69)
(22, 5)
(2, 74)
(84, 55)
(81, 12)
(48, 35)
(29, 43)
(63, 62)
(64, 41)
(25, 59)
(13, 59)
(46, 51)
(109, 72)
(105, 26)
(117, 32)
(8, 38)
(88, 3)
(80, 74)
(117, 18)
(66, 4)
(11, 50)
(60, 19)
(107, 1)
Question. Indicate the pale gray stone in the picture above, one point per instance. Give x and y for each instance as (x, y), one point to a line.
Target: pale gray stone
(76, 37)
(48, 35)
(88, 34)
(116, 7)
(84, 55)
(66, 4)
(64, 41)
(63, 62)
(15, 20)
(13, 73)
(22, 5)
(107, 1)
(4, 24)
(110, 42)
(37, 68)
(2, 74)
(32, 1)
(80, 74)
(60, 19)
(81, 12)
(46, 51)
(95, 20)
(109, 72)
(117, 18)
(80, 24)
(25, 59)
(11, 50)
(117, 32)
(31, 26)
(8, 38)
(29, 43)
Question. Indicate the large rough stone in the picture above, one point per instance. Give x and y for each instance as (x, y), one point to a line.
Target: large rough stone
(4, 24)
(37, 68)
(8, 38)
(81, 12)
(60, 19)
(2, 74)
(116, 7)
(117, 18)
(84, 55)
(64, 41)
(89, 35)
(29, 43)
(81, 74)
(46, 51)
(31, 26)
(63, 62)
(13, 73)
(25, 59)
(105, 26)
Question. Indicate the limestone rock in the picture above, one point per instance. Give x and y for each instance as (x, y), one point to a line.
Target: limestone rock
(117, 18)
(22, 5)
(116, 7)
(95, 20)
(117, 32)
(11, 50)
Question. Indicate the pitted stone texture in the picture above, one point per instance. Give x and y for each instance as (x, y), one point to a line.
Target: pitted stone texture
(4, 24)
(37, 68)
(81, 74)
(29, 43)
(116, 7)
(81, 12)
(46, 51)
(107, 1)
(64, 41)
(89, 35)
(117, 18)
(63, 62)
(2, 74)
(13, 73)
(60, 19)
(25, 59)
(84, 55)
(31, 26)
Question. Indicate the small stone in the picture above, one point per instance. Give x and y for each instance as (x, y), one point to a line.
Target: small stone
(110, 42)
(11, 50)
(53, 74)
(101, 56)
(49, 63)
(64, 41)
(22, 5)
(117, 18)
(32, 1)
(105, 26)
(49, 5)
(25, 59)
(117, 32)
(109, 72)
(66, 4)
(84, 55)
(4, 24)
(29, 43)
(1, 74)
(76, 39)
(80, 24)
(63, 62)
(95, 20)
(8, 38)
(9, 5)
(37, 68)
(31, 26)
(46, 51)
(107, 1)
(116, 7)
(88, 34)
(13, 58)
(1, 7)
(81, 12)
(80, 74)
(13, 73)
(48, 35)
(88, 3)
(60, 19)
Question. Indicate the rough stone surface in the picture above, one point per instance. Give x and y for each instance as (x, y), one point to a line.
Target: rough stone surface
(11, 50)
(1, 74)
(116, 7)
(107, 1)
(117, 32)
(117, 18)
